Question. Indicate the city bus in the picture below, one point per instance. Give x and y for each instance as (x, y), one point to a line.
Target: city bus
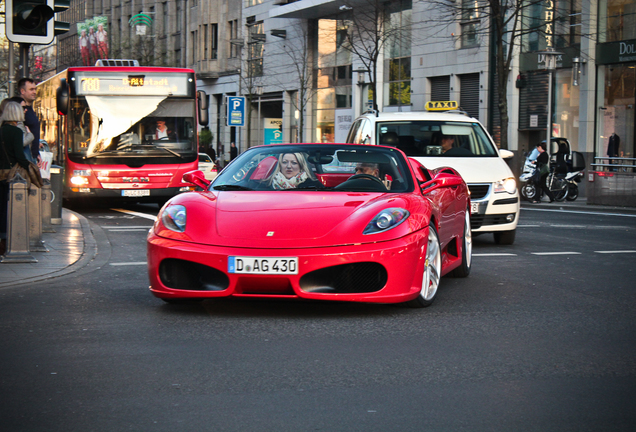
(122, 132)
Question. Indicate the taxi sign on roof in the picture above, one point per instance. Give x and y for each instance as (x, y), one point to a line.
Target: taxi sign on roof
(441, 105)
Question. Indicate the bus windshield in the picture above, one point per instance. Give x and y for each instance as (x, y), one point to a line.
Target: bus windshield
(129, 127)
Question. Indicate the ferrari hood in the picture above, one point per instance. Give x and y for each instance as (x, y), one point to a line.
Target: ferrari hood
(472, 169)
(285, 219)
(284, 216)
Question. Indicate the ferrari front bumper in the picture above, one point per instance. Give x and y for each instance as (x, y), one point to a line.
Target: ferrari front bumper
(384, 272)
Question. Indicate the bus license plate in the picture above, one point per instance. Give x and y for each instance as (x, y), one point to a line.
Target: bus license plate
(474, 208)
(135, 193)
(262, 265)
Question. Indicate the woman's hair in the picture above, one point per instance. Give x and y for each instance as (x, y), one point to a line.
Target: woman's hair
(302, 163)
(13, 111)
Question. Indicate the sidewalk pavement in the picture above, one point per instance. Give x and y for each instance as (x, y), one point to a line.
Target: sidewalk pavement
(71, 247)
(74, 244)
(580, 205)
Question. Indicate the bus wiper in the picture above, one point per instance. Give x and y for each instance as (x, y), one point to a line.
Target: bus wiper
(168, 150)
(228, 187)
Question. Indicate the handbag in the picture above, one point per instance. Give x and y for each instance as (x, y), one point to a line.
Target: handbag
(544, 169)
(31, 174)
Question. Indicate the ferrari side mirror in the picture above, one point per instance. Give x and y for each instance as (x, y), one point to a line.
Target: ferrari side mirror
(196, 178)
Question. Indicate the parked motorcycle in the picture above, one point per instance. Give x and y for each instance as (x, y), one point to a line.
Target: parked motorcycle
(566, 170)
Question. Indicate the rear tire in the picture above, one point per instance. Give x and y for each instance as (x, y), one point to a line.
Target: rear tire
(467, 250)
(505, 237)
(432, 272)
(573, 192)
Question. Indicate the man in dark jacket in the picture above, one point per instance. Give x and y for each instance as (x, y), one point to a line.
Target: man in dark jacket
(26, 88)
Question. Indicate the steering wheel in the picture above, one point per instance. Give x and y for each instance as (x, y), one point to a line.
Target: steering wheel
(366, 176)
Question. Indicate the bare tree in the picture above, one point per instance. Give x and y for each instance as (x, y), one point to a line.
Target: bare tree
(370, 30)
(505, 23)
(299, 71)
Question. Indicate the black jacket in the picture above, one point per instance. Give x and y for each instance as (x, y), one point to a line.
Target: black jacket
(11, 142)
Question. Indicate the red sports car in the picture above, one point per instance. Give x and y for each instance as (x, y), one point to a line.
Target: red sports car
(314, 221)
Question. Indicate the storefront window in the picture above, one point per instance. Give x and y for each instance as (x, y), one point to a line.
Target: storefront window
(333, 76)
(616, 86)
(565, 122)
(398, 64)
(617, 20)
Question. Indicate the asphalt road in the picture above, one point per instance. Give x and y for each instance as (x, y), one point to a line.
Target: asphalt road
(540, 337)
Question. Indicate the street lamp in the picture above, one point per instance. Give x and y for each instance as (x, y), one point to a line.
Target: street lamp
(361, 83)
(550, 57)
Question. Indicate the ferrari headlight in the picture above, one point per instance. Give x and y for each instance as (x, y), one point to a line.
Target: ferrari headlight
(386, 220)
(173, 217)
(506, 185)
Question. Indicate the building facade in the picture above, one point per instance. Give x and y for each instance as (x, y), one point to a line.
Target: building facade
(307, 72)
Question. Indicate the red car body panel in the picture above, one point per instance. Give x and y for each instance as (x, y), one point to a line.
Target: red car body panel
(323, 230)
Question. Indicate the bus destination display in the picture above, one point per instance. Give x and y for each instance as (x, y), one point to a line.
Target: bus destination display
(128, 84)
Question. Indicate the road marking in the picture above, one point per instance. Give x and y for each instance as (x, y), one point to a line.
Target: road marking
(138, 214)
(581, 212)
(129, 229)
(528, 226)
(616, 251)
(493, 254)
(555, 253)
(108, 227)
(568, 226)
(129, 263)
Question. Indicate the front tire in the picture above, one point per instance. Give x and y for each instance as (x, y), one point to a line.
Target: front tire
(529, 191)
(467, 250)
(432, 271)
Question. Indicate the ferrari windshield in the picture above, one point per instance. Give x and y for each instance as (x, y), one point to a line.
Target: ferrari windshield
(436, 138)
(130, 127)
(319, 167)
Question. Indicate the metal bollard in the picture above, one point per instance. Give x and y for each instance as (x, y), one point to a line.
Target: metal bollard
(35, 220)
(18, 224)
(47, 227)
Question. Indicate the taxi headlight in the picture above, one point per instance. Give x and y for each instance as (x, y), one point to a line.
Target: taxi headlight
(386, 220)
(506, 185)
(173, 217)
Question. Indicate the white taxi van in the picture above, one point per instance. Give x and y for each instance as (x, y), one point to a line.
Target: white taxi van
(443, 136)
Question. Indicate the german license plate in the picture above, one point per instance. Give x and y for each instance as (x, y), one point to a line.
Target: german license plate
(262, 265)
(474, 208)
(135, 193)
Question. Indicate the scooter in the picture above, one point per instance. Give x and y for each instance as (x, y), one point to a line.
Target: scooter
(527, 186)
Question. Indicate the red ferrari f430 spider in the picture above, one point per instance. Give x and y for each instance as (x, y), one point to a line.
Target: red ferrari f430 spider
(339, 222)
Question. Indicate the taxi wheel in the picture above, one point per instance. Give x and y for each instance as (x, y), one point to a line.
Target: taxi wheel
(432, 272)
(467, 250)
(505, 237)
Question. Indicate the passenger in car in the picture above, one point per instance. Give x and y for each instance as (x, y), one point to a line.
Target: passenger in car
(447, 142)
(292, 171)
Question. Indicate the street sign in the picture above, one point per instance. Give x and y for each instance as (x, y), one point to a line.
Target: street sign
(236, 111)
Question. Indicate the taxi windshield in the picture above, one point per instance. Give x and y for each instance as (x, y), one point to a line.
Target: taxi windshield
(329, 167)
(423, 138)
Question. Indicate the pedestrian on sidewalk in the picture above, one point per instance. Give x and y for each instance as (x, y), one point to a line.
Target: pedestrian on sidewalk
(11, 152)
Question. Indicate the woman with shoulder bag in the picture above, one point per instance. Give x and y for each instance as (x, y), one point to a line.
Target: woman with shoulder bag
(543, 167)
(11, 153)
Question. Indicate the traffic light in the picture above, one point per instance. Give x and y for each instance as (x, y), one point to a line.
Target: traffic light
(29, 21)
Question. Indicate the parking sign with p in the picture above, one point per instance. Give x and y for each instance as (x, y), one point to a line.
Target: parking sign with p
(236, 111)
